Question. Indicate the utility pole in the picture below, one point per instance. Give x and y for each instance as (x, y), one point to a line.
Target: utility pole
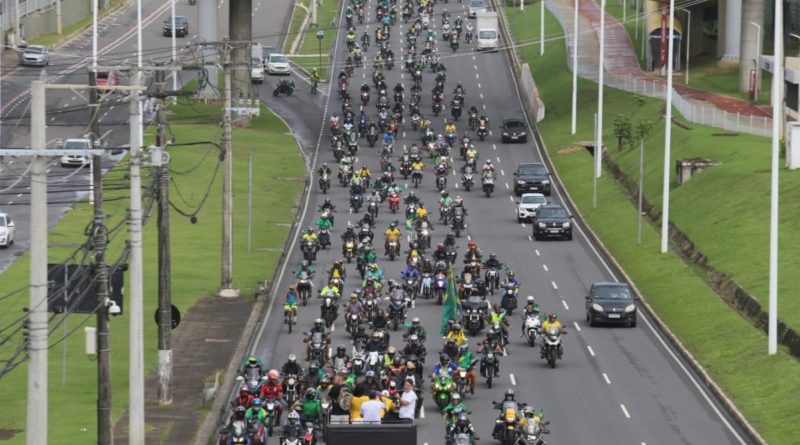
(227, 185)
(164, 260)
(36, 430)
(240, 29)
(104, 433)
(136, 435)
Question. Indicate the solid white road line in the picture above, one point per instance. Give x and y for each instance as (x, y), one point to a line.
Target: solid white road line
(494, 147)
(624, 411)
(513, 380)
(605, 377)
(591, 351)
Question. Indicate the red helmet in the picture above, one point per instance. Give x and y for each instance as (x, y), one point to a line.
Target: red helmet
(273, 374)
(472, 245)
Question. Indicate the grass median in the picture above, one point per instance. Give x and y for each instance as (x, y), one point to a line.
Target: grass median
(278, 175)
(310, 49)
(724, 210)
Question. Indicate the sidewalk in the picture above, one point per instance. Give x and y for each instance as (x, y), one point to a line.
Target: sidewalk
(623, 71)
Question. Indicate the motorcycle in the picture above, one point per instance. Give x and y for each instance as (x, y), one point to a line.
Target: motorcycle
(356, 201)
(290, 319)
(473, 120)
(457, 221)
(364, 98)
(426, 285)
(462, 378)
(351, 324)
(397, 310)
(441, 182)
(492, 279)
(291, 389)
(490, 363)
(328, 311)
(324, 238)
(488, 185)
(349, 250)
(325, 183)
(359, 359)
(437, 108)
(410, 287)
(309, 434)
(551, 348)
(394, 202)
(304, 287)
(455, 111)
(372, 136)
(468, 180)
(393, 249)
(271, 407)
(532, 325)
(238, 433)
(372, 209)
(531, 434)
(442, 390)
(440, 287)
(474, 319)
(319, 351)
(506, 430)
(283, 88)
(416, 177)
(509, 299)
(462, 439)
(482, 131)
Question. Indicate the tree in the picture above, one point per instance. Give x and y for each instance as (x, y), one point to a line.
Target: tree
(623, 129)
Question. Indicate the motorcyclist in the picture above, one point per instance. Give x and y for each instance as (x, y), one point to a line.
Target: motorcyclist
(463, 425)
(490, 343)
(367, 256)
(375, 273)
(497, 317)
(444, 364)
(450, 349)
(422, 214)
(389, 356)
(311, 407)
(330, 290)
(327, 204)
(291, 367)
(392, 234)
(380, 321)
(324, 223)
(239, 413)
(492, 262)
(375, 343)
(256, 414)
(340, 358)
(362, 336)
(318, 328)
(472, 253)
(415, 347)
(354, 306)
(531, 308)
(488, 167)
(465, 361)
(337, 270)
(453, 409)
(552, 321)
(290, 301)
(411, 198)
(306, 268)
(511, 280)
(508, 398)
(416, 329)
(251, 362)
(324, 170)
(314, 80)
(291, 427)
(440, 254)
(244, 398)
(272, 389)
(370, 383)
(410, 272)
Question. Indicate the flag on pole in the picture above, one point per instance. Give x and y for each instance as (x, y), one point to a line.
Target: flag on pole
(410, 223)
(449, 306)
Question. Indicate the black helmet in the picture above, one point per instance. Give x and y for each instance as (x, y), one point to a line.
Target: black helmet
(509, 395)
(340, 349)
(444, 358)
(311, 393)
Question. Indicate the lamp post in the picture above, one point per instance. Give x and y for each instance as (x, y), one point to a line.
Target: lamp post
(598, 146)
(777, 114)
(320, 36)
(755, 62)
(688, 40)
(575, 68)
(668, 133)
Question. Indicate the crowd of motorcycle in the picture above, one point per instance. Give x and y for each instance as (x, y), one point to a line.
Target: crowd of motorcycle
(319, 394)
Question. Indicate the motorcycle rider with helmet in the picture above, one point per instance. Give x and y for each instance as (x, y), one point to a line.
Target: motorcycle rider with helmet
(531, 309)
(291, 427)
(444, 364)
(463, 425)
(490, 343)
(272, 389)
(318, 328)
(552, 320)
(392, 234)
(251, 362)
(416, 329)
(291, 367)
(464, 362)
(508, 397)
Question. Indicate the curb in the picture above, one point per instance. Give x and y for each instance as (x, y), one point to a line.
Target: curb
(686, 356)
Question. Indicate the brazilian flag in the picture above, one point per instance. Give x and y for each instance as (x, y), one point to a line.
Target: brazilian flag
(410, 223)
(449, 306)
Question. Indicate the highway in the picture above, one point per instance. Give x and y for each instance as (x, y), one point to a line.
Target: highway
(614, 385)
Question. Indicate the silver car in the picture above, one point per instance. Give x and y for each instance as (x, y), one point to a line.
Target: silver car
(7, 230)
(35, 55)
(528, 204)
(476, 6)
(76, 160)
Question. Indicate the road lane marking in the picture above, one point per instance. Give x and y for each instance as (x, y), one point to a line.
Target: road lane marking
(422, 415)
(577, 326)
(476, 69)
(498, 159)
(530, 239)
(481, 94)
(494, 147)
(544, 266)
(591, 351)
(477, 76)
(502, 172)
(507, 187)
(554, 285)
(605, 377)
(510, 198)
(19, 195)
(513, 380)
(624, 411)
(484, 106)
(523, 225)
(537, 252)
(565, 304)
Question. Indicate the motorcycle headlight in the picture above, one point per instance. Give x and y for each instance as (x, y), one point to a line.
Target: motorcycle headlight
(542, 225)
(597, 307)
(630, 308)
(566, 225)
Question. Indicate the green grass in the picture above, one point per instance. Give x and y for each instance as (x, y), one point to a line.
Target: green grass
(298, 15)
(308, 63)
(326, 22)
(723, 210)
(278, 171)
(52, 38)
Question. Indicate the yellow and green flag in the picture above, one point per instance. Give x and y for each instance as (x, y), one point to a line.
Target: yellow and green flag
(451, 302)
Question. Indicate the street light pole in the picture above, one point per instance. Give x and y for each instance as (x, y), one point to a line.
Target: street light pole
(668, 133)
(541, 27)
(598, 146)
(688, 40)
(758, 56)
(777, 114)
(575, 68)
(320, 36)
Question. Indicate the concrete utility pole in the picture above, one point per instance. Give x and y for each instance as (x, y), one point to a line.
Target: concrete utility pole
(58, 16)
(36, 429)
(164, 261)
(668, 133)
(777, 118)
(598, 146)
(752, 11)
(207, 32)
(136, 435)
(104, 425)
(226, 288)
(240, 29)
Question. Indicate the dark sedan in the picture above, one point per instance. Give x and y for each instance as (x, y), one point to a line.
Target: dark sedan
(610, 303)
(181, 26)
(531, 177)
(552, 221)
(514, 130)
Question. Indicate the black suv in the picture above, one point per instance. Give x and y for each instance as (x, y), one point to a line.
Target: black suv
(532, 177)
(552, 221)
(610, 303)
(514, 130)
(181, 26)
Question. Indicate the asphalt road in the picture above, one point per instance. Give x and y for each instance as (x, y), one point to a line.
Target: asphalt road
(614, 385)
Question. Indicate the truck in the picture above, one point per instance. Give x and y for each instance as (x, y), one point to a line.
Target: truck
(488, 31)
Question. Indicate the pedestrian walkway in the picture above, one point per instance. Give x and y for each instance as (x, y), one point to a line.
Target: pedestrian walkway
(623, 72)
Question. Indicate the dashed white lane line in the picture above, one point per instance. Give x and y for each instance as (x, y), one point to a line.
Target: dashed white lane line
(523, 225)
(624, 410)
(554, 285)
(565, 304)
(544, 266)
(422, 415)
(476, 67)
(510, 198)
(10, 202)
(477, 76)
(469, 238)
(577, 326)
(479, 86)
(509, 188)
(473, 57)
(73, 98)
(484, 106)
(19, 195)
(537, 252)
(530, 239)
(502, 172)
(513, 380)
(591, 351)
(498, 159)
(605, 377)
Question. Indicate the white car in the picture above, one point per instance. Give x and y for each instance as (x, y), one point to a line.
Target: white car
(76, 160)
(6, 230)
(476, 6)
(528, 204)
(278, 64)
(256, 70)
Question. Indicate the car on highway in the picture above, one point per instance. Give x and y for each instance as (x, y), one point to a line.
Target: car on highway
(552, 221)
(106, 78)
(181, 26)
(476, 6)
(76, 160)
(34, 55)
(609, 302)
(278, 64)
(514, 130)
(7, 230)
(528, 204)
(532, 177)
(267, 51)
(256, 70)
